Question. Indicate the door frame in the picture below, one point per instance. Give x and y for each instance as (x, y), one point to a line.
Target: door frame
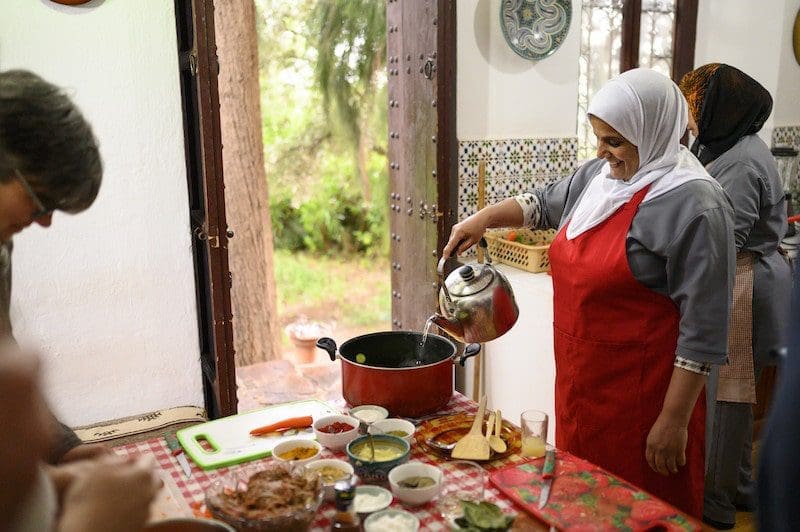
(198, 70)
(447, 147)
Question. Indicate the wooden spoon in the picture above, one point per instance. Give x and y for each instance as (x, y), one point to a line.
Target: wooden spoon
(474, 446)
(490, 428)
(495, 441)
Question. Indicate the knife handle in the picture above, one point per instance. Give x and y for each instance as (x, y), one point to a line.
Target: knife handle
(173, 444)
(549, 463)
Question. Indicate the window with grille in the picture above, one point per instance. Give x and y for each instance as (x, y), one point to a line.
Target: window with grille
(617, 35)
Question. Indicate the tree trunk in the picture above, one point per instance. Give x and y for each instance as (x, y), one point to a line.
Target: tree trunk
(255, 321)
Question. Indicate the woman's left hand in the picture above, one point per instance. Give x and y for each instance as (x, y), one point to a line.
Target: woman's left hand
(666, 446)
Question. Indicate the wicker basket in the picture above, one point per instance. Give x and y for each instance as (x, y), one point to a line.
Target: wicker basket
(529, 258)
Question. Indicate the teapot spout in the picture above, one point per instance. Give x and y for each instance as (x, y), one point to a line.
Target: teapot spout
(450, 326)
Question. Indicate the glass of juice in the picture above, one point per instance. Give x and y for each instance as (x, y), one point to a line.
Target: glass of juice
(534, 433)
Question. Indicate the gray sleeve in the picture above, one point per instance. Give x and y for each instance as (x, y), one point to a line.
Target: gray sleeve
(5, 290)
(545, 208)
(743, 185)
(65, 440)
(701, 268)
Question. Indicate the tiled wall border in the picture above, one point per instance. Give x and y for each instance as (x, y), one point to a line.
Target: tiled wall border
(786, 135)
(512, 166)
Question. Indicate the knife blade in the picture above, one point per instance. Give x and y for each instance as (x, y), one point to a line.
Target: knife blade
(547, 476)
(176, 450)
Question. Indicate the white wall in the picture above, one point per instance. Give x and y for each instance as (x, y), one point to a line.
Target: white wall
(502, 95)
(519, 367)
(108, 295)
(756, 38)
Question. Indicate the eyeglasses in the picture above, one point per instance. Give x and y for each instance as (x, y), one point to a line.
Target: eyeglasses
(41, 210)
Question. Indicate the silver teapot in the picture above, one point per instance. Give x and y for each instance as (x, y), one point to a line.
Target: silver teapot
(476, 302)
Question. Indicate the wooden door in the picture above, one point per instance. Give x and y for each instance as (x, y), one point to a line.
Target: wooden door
(421, 67)
(203, 150)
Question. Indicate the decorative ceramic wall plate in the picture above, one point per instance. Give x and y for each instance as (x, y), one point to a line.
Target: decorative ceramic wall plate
(796, 38)
(534, 29)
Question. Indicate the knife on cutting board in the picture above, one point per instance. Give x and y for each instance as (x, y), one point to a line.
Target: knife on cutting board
(176, 450)
(547, 476)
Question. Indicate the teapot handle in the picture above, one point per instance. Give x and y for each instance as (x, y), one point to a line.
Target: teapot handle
(440, 266)
(485, 246)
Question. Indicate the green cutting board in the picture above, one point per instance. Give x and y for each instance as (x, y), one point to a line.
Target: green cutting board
(227, 441)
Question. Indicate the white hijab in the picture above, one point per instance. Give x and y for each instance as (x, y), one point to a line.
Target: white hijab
(649, 110)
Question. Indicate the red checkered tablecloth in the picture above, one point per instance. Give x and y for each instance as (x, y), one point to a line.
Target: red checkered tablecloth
(181, 495)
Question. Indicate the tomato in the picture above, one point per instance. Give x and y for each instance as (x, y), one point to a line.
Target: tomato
(511, 235)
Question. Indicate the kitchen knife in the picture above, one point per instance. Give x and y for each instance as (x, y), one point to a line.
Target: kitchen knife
(176, 450)
(547, 476)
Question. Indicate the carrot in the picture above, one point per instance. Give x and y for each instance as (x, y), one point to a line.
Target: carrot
(512, 235)
(284, 424)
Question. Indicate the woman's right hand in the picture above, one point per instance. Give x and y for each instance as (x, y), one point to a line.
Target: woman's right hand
(466, 234)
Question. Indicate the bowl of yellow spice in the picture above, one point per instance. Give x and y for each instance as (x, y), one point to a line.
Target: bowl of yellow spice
(393, 426)
(296, 451)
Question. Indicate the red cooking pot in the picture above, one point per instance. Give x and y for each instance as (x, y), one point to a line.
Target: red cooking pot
(394, 370)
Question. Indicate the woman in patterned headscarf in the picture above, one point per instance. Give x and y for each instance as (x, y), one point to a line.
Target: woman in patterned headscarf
(727, 108)
(642, 267)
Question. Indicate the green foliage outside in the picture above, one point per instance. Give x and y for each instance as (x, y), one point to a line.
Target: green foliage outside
(309, 282)
(323, 98)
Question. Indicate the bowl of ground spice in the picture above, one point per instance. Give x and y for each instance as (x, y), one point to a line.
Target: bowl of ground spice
(296, 452)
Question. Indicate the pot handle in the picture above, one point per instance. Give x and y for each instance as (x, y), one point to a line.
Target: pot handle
(470, 351)
(329, 345)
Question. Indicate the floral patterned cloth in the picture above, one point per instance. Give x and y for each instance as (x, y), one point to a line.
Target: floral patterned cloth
(587, 497)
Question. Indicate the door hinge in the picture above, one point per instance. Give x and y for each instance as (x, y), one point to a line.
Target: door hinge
(193, 62)
(201, 233)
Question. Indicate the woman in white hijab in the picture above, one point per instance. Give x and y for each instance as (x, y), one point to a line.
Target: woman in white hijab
(642, 269)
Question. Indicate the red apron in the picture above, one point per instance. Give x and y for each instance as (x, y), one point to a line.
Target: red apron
(615, 343)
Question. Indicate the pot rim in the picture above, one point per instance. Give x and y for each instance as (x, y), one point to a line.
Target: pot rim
(451, 358)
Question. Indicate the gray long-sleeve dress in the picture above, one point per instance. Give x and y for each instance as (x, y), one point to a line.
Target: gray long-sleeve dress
(750, 177)
(680, 244)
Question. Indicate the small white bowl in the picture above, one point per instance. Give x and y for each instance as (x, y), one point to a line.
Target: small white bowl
(386, 426)
(288, 445)
(373, 522)
(369, 414)
(338, 440)
(415, 496)
(370, 499)
(341, 465)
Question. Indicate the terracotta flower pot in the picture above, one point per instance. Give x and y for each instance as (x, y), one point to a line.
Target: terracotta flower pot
(305, 349)
(304, 335)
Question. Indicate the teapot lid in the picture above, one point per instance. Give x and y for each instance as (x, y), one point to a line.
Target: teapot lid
(469, 279)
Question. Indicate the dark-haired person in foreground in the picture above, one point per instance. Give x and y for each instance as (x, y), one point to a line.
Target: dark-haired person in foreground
(49, 161)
